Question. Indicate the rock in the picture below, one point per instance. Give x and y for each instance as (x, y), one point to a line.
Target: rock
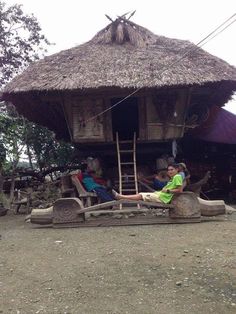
(3, 211)
(229, 209)
(178, 283)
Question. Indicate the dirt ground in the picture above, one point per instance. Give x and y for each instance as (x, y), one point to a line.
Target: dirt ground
(167, 269)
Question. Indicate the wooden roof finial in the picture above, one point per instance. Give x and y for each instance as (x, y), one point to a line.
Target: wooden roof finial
(109, 18)
(131, 14)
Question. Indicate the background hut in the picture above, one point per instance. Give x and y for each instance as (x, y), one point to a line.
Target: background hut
(75, 92)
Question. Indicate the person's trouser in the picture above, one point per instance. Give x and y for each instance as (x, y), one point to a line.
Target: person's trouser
(103, 194)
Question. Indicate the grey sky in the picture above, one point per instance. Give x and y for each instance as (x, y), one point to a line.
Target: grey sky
(72, 22)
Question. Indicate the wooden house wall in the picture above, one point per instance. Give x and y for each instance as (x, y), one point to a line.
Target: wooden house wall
(166, 116)
(84, 121)
(159, 119)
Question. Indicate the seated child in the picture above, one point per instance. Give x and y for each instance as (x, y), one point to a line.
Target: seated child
(92, 186)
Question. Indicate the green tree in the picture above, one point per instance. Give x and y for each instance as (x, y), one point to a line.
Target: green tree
(12, 136)
(45, 150)
(21, 41)
(20, 137)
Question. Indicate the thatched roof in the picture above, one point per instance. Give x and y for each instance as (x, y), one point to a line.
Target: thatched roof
(123, 55)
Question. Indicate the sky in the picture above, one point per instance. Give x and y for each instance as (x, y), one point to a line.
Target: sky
(72, 22)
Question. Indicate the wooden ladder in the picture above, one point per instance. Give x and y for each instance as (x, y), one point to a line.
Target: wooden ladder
(126, 156)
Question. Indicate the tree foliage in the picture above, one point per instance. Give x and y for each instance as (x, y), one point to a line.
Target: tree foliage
(12, 136)
(20, 137)
(45, 150)
(21, 41)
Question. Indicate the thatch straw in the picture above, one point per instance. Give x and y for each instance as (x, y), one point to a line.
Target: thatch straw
(124, 55)
(121, 57)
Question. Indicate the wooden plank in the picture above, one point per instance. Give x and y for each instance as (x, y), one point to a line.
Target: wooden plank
(135, 165)
(142, 118)
(42, 216)
(123, 202)
(130, 210)
(128, 222)
(144, 222)
(146, 186)
(107, 122)
(119, 161)
(85, 126)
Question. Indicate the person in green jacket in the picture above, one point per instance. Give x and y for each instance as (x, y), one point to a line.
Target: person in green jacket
(174, 186)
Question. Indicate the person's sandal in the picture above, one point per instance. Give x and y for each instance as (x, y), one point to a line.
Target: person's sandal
(115, 194)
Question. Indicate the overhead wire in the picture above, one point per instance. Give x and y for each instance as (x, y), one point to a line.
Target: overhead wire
(218, 32)
(200, 44)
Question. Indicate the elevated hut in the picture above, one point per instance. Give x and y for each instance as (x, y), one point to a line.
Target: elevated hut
(125, 79)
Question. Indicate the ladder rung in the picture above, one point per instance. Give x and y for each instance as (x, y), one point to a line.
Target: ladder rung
(125, 142)
(127, 182)
(128, 176)
(127, 163)
(126, 151)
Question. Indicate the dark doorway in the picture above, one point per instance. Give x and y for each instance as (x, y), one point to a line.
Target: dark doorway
(125, 119)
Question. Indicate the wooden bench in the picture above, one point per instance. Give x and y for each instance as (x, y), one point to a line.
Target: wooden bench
(87, 198)
(67, 188)
(66, 212)
(22, 198)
